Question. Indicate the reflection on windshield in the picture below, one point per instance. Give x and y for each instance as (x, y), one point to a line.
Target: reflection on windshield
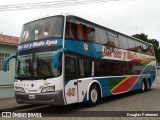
(25, 66)
(44, 67)
(39, 65)
(40, 29)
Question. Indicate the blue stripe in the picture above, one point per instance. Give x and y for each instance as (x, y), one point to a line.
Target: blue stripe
(93, 50)
(39, 44)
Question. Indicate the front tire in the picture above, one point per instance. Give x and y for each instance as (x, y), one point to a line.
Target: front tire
(94, 95)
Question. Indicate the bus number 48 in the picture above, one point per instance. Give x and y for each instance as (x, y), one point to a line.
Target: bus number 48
(71, 92)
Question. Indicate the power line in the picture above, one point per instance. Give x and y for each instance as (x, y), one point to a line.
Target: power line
(57, 3)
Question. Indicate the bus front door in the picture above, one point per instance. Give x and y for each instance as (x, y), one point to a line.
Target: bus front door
(71, 81)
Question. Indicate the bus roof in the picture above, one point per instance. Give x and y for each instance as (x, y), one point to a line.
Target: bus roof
(44, 18)
(92, 23)
(87, 21)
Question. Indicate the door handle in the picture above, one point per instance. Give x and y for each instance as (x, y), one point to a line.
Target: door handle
(79, 80)
(75, 83)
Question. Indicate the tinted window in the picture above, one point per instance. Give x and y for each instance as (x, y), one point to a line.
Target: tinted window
(70, 28)
(103, 69)
(42, 29)
(100, 36)
(123, 42)
(151, 50)
(113, 39)
(85, 68)
(137, 69)
(131, 45)
(138, 47)
(146, 49)
(116, 68)
(76, 29)
(70, 68)
(79, 31)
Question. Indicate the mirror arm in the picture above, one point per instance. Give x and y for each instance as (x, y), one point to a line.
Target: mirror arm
(6, 61)
(56, 57)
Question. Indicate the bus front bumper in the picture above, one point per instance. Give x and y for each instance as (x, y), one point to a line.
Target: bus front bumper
(55, 98)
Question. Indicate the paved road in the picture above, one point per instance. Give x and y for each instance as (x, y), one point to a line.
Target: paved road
(135, 101)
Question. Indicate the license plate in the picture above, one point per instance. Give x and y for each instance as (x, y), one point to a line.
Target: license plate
(31, 96)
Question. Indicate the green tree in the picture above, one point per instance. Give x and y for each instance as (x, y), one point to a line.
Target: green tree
(141, 36)
(155, 43)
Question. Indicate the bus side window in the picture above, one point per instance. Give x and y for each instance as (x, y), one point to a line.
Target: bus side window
(89, 33)
(113, 39)
(147, 49)
(84, 32)
(85, 68)
(81, 68)
(103, 68)
(123, 42)
(80, 31)
(152, 50)
(136, 69)
(138, 47)
(70, 68)
(69, 30)
(131, 45)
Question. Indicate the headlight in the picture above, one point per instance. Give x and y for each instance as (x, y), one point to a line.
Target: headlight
(48, 89)
(19, 89)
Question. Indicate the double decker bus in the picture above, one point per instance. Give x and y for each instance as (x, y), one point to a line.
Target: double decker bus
(62, 60)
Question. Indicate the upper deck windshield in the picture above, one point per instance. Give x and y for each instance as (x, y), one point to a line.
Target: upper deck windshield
(41, 29)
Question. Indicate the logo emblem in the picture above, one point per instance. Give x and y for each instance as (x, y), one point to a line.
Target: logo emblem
(85, 47)
(32, 85)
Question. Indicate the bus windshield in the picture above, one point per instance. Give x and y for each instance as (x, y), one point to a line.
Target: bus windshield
(36, 66)
(42, 29)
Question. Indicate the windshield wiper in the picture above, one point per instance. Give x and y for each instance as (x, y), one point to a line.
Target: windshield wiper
(46, 77)
(22, 77)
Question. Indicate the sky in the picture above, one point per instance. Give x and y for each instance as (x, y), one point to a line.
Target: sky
(126, 16)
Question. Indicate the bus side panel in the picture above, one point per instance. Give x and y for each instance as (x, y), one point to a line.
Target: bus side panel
(77, 92)
(148, 73)
(117, 84)
(105, 86)
(137, 85)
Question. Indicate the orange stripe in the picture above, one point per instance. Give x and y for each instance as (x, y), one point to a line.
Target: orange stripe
(148, 59)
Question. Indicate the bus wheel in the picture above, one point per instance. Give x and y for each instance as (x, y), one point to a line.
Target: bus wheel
(94, 95)
(143, 86)
(148, 85)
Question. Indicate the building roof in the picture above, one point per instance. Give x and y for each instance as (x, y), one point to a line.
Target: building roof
(8, 40)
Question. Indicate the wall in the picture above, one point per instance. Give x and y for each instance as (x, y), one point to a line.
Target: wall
(7, 78)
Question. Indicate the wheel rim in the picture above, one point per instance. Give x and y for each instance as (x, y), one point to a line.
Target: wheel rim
(94, 95)
(143, 86)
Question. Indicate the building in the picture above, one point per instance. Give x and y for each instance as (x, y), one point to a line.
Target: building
(8, 46)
